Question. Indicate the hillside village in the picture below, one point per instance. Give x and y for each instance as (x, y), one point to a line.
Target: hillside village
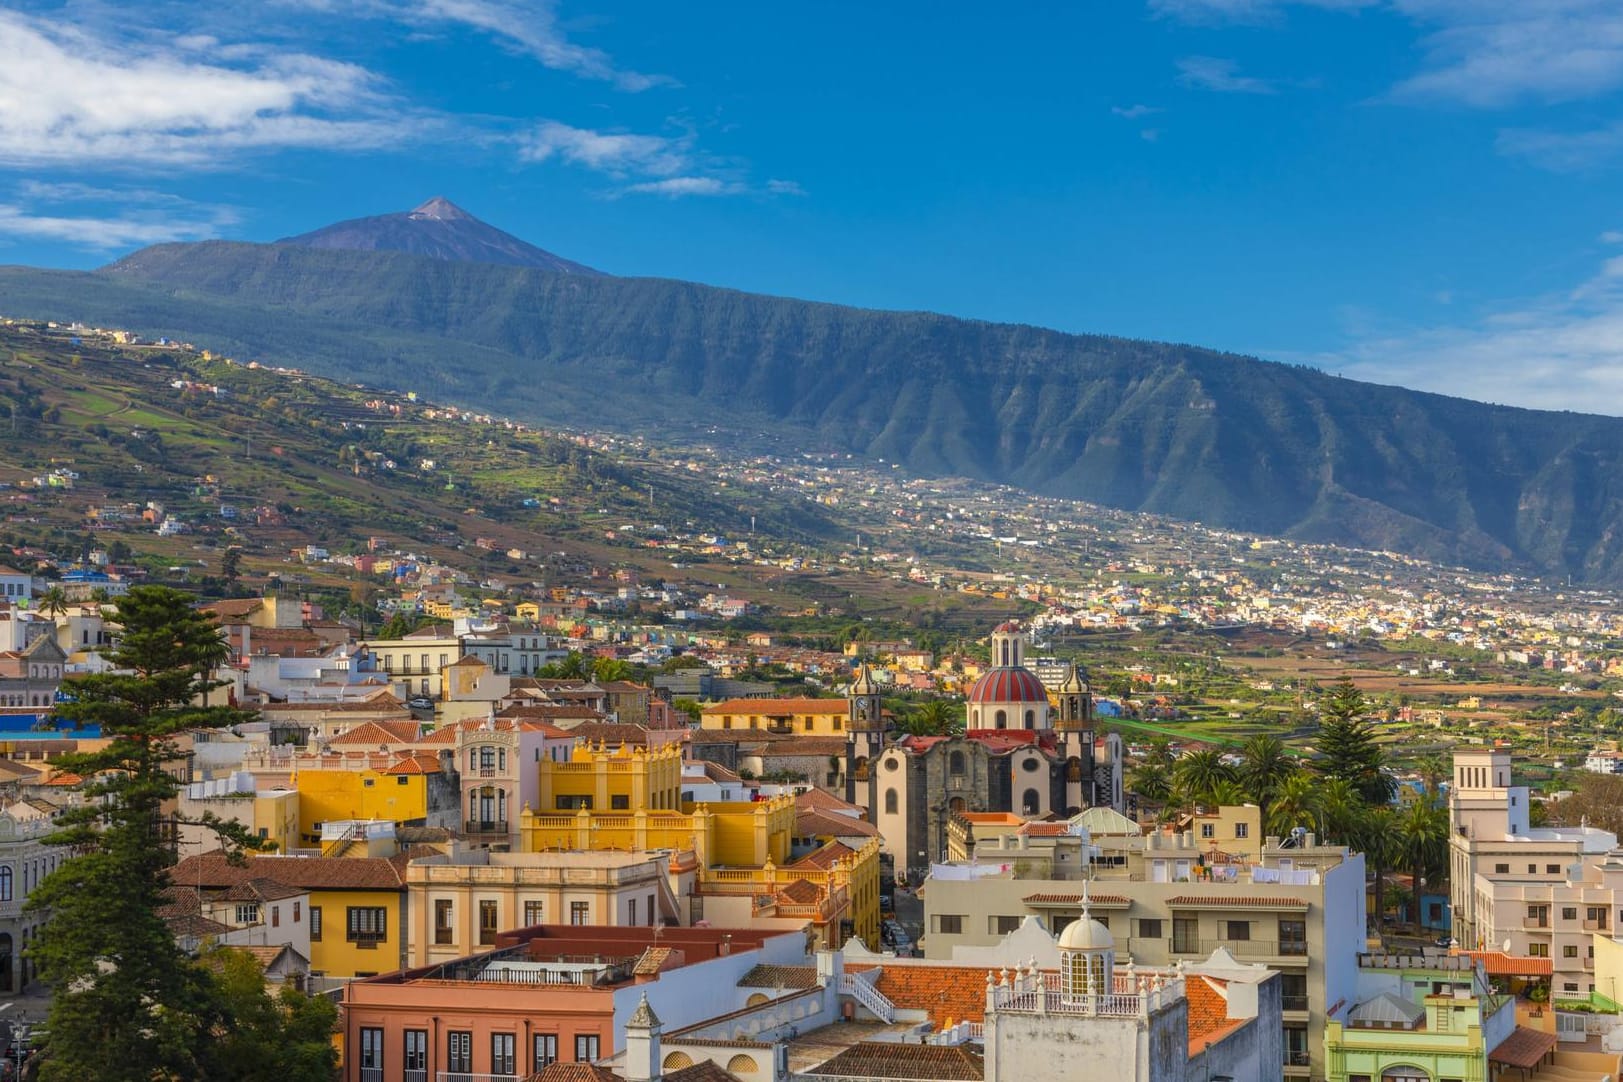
(665, 799)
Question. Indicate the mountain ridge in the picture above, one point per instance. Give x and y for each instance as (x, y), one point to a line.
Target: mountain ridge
(438, 229)
(1174, 430)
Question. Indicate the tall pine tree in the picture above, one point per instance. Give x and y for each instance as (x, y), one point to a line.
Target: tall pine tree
(1347, 747)
(129, 1005)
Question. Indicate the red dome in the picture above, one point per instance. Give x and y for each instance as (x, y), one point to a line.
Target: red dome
(1006, 684)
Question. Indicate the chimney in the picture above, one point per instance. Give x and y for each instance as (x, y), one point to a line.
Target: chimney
(643, 1059)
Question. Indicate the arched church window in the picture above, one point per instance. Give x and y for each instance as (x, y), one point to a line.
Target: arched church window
(890, 802)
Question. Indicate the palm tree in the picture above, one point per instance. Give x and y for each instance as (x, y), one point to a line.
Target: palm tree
(53, 602)
(934, 717)
(1264, 766)
(1151, 782)
(1295, 804)
(1198, 775)
(1433, 770)
(1423, 842)
(606, 670)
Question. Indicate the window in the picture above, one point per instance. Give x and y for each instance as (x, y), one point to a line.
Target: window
(1002, 925)
(371, 1048)
(1242, 830)
(248, 913)
(1296, 1053)
(631, 913)
(1149, 928)
(502, 1058)
(1569, 951)
(416, 1050)
(1569, 912)
(487, 922)
(585, 1047)
(573, 803)
(533, 913)
(1570, 986)
(890, 802)
(1293, 991)
(1293, 937)
(315, 924)
(297, 906)
(276, 916)
(1239, 930)
(1538, 916)
(5, 882)
(580, 912)
(1532, 869)
(368, 925)
(545, 1051)
(1208, 830)
(443, 931)
(955, 764)
(459, 1051)
(619, 802)
(1538, 950)
(1552, 869)
(1185, 935)
(949, 923)
(1501, 869)
(1596, 915)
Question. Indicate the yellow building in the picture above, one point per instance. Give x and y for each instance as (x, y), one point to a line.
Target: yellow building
(271, 815)
(356, 908)
(1233, 830)
(628, 800)
(397, 793)
(624, 779)
(803, 717)
(527, 610)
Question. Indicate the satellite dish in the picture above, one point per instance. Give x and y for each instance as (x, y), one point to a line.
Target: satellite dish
(1506, 947)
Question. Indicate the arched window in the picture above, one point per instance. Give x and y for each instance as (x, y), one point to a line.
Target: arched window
(1030, 802)
(5, 882)
(890, 802)
(955, 764)
(1001, 720)
(1031, 719)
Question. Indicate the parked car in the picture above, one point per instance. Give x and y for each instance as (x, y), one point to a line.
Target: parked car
(420, 702)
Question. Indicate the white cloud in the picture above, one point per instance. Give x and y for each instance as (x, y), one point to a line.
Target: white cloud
(1223, 76)
(1133, 112)
(615, 153)
(784, 187)
(1612, 236)
(1557, 352)
(99, 233)
(68, 97)
(1563, 152)
(676, 187)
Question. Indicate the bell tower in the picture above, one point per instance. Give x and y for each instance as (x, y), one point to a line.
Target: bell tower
(864, 736)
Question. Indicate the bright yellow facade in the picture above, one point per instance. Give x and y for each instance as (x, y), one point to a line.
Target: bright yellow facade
(802, 717)
(620, 780)
(370, 941)
(327, 796)
(276, 820)
(737, 834)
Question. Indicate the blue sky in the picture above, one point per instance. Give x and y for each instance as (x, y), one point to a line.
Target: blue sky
(1422, 192)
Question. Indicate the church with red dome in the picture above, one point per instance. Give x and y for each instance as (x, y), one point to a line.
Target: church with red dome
(1027, 749)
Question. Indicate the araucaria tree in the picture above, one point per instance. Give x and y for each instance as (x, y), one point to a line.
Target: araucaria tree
(1347, 745)
(129, 1004)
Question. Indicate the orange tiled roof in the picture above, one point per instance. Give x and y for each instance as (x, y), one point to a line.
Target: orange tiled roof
(1209, 1020)
(1500, 964)
(1076, 899)
(945, 993)
(811, 823)
(1046, 830)
(801, 892)
(893, 1059)
(824, 856)
(1238, 901)
(818, 799)
(766, 976)
(372, 734)
(417, 763)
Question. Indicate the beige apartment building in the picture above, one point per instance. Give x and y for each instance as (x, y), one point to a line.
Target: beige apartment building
(1532, 892)
(458, 903)
(1299, 910)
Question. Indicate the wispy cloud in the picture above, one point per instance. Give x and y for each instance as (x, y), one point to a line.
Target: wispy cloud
(1557, 352)
(68, 97)
(784, 187)
(1220, 75)
(1564, 152)
(1243, 11)
(675, 187)
(71, 213)
(1134, 112)
(527, 27)
(619, 154)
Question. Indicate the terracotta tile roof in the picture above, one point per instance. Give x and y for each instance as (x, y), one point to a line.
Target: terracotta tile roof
(372, 734)
(801, 892)
(418, 763)
(890, 1059)
(774, 708)
(1524, 1048)
(1045, 830)
(573, 1072)
(1238, 901)
(814, 823)
(946, 993)
(610, 732)
(825, 856)
(705, 1070)
(1500, 964)
(235, 607)
(259, 890)
(1076, 899)
(779, 977)
(652, 961)
(1209, 1020)
(718, 772)
(263, 953)
(212, 870)
(828, 802)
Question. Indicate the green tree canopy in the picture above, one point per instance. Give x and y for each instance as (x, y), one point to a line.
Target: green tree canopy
(1347, 747)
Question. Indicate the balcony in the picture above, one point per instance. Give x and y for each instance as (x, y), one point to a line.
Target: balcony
(1245, 949)
(1536, 922)
(486, 826)
(1293, 1003)
(469, 1076)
